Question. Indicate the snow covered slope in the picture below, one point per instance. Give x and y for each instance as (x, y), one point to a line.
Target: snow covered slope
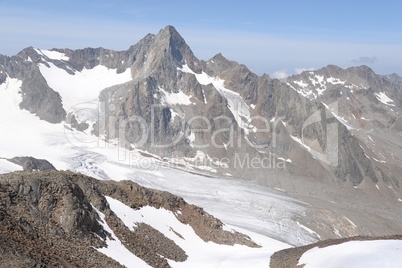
(83, 86)
(201, 254)
(355, 254)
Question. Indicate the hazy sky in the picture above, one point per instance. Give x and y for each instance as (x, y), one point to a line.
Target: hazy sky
(274, 37)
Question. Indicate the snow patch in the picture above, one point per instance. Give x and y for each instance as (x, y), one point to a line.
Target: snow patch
(84, 86)
(200, 253)
(384, 99)
(7, 166)
(53, 55)
(302, 91)
(307, 229)
(301, 83)
(298, 140)
(236, 104)
(175, 98)
(191, 138)
(286, 160)
(335, 81)
(379, 161)
(355, 254)
(351, 222)
(339, 118)
(115, 249)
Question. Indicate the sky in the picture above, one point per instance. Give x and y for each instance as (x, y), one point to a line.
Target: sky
(279, 38)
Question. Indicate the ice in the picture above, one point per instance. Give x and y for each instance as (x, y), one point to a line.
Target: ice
(53, 55)
(84, 86)
(355, 254)
(382, 97)
(116, 250)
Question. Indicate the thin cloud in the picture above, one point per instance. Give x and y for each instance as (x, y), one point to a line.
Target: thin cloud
(300, 70)
(365, 60)
(280, 74)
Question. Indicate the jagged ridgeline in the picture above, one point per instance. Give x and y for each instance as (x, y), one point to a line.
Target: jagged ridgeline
(219, 109)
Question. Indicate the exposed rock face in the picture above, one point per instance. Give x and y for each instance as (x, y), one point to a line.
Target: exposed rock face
(30, 163)
(394, 78)
(37, 96)
(47, 219)
(365, 102)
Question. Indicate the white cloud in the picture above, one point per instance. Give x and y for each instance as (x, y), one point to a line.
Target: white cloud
(300, 70)
(280, 74)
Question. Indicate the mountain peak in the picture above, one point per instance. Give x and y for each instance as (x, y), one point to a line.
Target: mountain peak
(171, 35)
(169, 29)
(169, 42)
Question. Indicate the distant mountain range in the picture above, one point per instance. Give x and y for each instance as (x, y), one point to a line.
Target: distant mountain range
(330, 138)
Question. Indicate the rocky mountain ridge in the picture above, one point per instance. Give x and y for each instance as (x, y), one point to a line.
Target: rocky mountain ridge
(52, 219)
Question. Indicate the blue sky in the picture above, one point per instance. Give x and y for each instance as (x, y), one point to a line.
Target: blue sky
(274, 37)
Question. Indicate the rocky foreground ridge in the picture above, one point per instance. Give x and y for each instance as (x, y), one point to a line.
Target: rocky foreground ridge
(48, 219)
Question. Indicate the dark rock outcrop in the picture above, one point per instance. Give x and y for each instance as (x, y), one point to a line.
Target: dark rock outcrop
(29, 163)
(47, 219)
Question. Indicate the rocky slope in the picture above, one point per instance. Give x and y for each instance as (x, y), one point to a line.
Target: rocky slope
(52, 219)
(29, 163)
